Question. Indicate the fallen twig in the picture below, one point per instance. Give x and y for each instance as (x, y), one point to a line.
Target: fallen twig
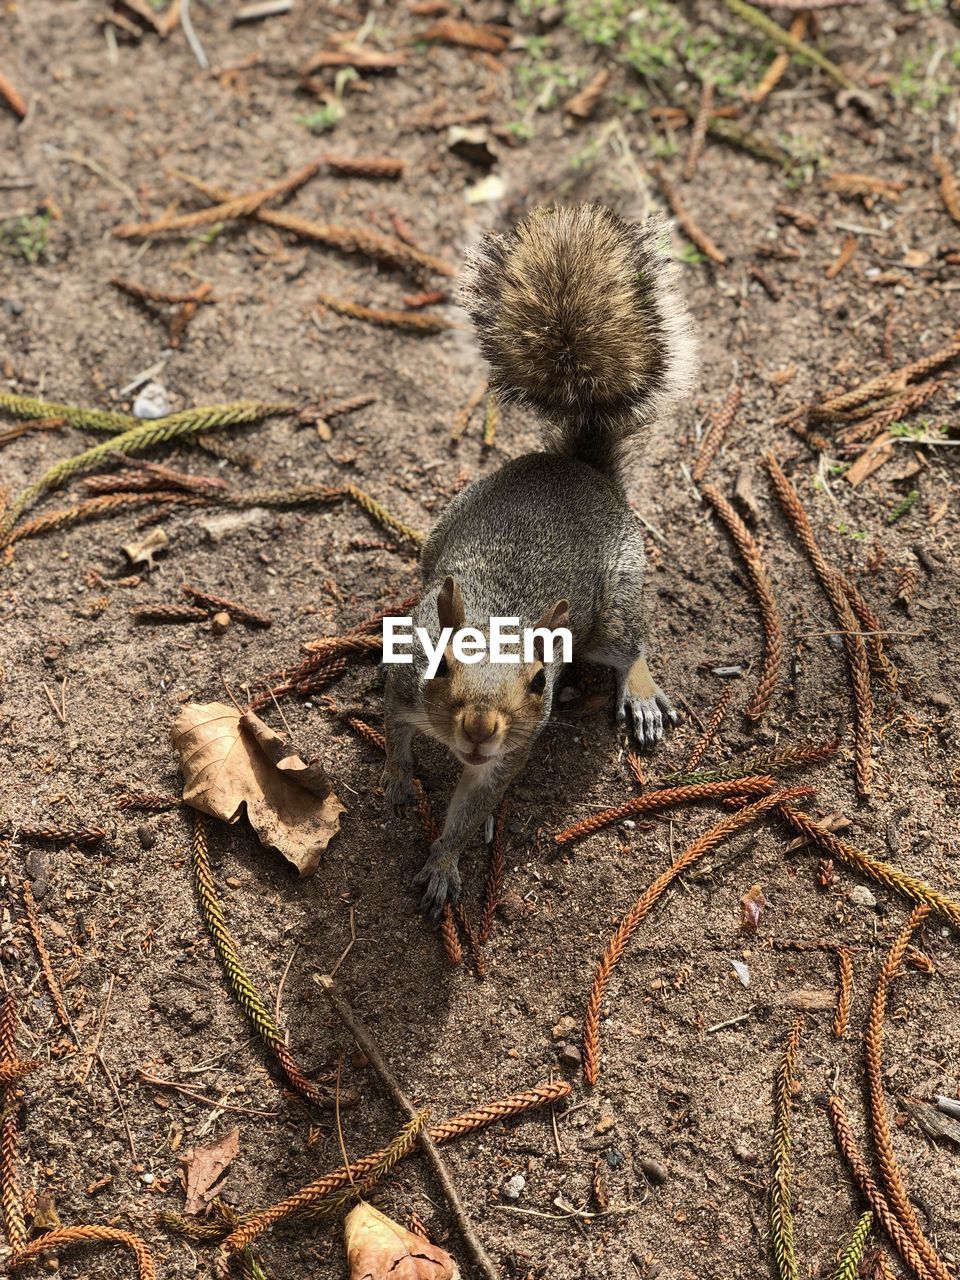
(766, 603)
(12, 97)
(778, 67)
(776, 33)
(239, 611)
(366, 166)
(781, 1191)
(847, 250)
(869, 1189)
(371, 1050)
(848, 1267)
(645, 903)
(873, 1055)
(43, 955)
(303, 1199)
(227, 211)
(720, 423)
(949, 190)
(359, 240)
(913, 889)
(246, 993)
(852, 640)
(144, 436)
(62, 1237)
(11, 1193)
(717, 717)
(698, 134)
(845, 993)
(412, 321)
(664, 799)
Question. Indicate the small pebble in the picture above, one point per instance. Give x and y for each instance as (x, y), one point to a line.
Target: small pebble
(615, 1158)
(219, 623)
(564, 1027)
(569, 1055)
(146, 835)
(513, 1187)
(861, 896)
(152, 402)
(653, 1171)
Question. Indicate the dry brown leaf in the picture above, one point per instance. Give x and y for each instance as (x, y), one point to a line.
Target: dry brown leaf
(203, 1167)
(378, 1248)
(229, 761)
(876, 454)
(752, 906)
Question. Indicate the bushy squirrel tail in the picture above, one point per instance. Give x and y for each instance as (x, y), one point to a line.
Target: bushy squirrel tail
(580, 317)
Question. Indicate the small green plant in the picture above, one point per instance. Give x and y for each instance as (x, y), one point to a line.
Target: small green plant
(26, 237)
(912, 86)
(921, 430)
(903, 507)
(689, 253)
(327, 117)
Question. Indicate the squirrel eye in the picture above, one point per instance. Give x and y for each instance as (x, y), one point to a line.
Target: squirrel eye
(442, 670)
(539, 681)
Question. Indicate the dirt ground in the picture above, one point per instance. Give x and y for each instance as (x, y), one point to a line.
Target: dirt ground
(111, 120)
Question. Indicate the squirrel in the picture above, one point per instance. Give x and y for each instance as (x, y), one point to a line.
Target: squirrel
(580, 318)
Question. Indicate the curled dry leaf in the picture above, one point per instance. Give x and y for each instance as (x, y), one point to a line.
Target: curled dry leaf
(752, 906)
(143, 550)
(378, 1248)
(203, 1168)
(230, 760)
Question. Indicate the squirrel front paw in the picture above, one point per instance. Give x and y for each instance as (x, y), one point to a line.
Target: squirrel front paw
(438, 881)
(647, 716)
(397, 792)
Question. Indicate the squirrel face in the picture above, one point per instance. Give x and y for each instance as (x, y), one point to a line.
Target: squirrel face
(484, 710)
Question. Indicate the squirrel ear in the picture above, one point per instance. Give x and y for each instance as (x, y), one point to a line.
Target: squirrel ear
(557, 615)
(450, 604)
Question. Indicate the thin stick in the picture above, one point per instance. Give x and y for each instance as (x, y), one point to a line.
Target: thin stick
(781, 37)
(43, 955)
(369, 1047)
(685, 220)
(462, 420)
(95, 1048)
(192, 40)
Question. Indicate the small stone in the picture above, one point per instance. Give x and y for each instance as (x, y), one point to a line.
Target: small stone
(615, 1158)
(219, 623)
(605, 1123)
(513, 1187)
(511, 907)
(569, 1055)
(152, 402)
(564, 1027)
(861, 896)
(745, 1153)
(146, 835)
(653, 1171)
(224, 523)
(148, 1179)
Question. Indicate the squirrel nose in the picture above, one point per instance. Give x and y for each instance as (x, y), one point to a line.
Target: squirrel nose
(479, 724)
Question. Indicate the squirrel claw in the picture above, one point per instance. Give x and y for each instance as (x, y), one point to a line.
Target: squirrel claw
(398, 792)
(648, 715)
(437, 881)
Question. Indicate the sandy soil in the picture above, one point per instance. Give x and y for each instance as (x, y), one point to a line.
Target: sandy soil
(105, 133)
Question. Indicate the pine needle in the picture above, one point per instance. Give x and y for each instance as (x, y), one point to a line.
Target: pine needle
(144, 435)
(780, 36)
